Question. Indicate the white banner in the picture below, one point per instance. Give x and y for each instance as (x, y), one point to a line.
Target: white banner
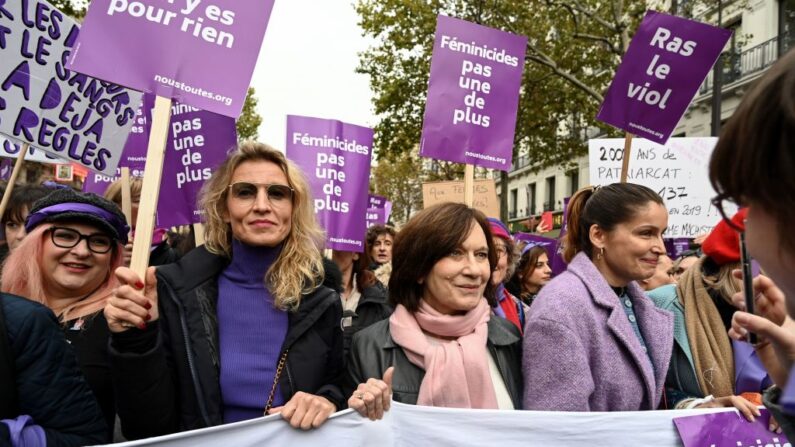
(415, 426)
(677, 171)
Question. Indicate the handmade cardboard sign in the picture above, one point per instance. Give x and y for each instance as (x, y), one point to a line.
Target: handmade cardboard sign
(677, 171)
(70, 115)
(485, 198)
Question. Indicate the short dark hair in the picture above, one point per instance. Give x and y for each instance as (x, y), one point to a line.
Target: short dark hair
(377, 230)
(429, 236)
(606, 206)
(754, 159)
(22, 198)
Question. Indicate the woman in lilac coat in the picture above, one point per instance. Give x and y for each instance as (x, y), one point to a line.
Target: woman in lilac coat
(593, 341)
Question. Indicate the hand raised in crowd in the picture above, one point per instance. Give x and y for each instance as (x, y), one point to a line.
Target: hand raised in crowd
(542, 228)
(771, 323)
(132, 303)
(305, 410)
(373, 398)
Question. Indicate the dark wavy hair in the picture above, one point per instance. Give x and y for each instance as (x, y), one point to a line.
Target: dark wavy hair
(754, 159)
(606, 206)
(429, 236)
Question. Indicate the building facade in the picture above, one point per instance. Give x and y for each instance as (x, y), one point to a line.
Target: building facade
(763, 31)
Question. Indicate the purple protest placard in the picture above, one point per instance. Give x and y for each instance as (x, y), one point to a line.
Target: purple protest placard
(134, 154)
(336, 158)
(376, 216)
(376, 201)
(199, 52)
(380, 202)
(665, 64)
(198, 141)
(473, 94)
(727, 428)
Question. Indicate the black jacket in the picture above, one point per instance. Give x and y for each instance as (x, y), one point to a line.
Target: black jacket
(771, 399)
(49, 386)
(372, 308)
(373, 351)
(167, 380)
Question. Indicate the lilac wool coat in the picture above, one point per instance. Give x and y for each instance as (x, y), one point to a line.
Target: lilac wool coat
(581, 353)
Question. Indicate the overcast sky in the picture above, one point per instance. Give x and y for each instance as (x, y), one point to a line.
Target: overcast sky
(307, 67)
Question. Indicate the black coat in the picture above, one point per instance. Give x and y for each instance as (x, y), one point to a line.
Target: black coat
(373, 351)
(49, 386)
(372, 308)
(167, 380)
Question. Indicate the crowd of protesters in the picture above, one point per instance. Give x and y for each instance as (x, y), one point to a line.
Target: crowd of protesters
(449, 311)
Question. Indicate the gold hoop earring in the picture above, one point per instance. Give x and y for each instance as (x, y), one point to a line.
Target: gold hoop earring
(601, 253)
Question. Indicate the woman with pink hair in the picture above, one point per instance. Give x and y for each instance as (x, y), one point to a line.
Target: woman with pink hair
(74, 243)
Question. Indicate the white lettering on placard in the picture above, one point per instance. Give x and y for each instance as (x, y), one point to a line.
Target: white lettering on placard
(676, 171)
(168, 15)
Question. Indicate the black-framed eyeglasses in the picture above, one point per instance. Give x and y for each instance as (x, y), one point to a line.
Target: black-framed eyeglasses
(717, 202)
(68, 238)
(247, 192)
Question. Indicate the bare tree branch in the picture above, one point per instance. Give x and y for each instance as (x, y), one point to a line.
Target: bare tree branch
(538, 56)
(593, 16)
(604, 40)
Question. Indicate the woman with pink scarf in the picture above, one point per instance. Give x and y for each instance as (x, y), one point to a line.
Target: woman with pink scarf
(447, 348)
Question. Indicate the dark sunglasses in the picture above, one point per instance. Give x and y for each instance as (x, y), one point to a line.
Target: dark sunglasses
(247, 192)
(69, 238)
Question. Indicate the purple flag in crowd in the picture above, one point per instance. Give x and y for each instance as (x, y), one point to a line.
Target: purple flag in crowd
(676, 246)
(336, 158)
(665, 64)
(198, 141)
(727, 428)
(6, 166)
(473, 94)
(199, 53)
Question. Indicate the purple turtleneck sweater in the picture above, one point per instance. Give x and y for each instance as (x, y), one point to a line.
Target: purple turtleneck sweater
(250, 333)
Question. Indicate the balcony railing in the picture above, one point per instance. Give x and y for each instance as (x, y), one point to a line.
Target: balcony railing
(549, 206)
(512, 214)
(753, 60)
(520, 162)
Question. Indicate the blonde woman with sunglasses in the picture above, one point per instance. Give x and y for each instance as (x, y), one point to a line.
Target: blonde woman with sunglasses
(241, 326)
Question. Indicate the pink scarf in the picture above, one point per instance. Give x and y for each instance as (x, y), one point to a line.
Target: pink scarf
(456, 371)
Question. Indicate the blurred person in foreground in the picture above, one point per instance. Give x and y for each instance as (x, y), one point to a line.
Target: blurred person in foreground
(753, 165)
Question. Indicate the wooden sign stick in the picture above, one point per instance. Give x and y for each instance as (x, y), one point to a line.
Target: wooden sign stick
(627, 153)
(126, 196)
(13, 179)
(198, 234)
(150, 190)
(469, 185)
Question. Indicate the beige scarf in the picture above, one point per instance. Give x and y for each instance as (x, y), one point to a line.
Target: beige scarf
(712, 351)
